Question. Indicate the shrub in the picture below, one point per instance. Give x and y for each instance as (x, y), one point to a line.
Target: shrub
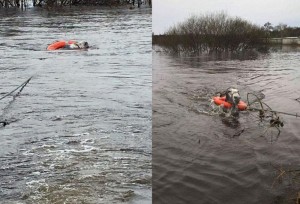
(211, 32)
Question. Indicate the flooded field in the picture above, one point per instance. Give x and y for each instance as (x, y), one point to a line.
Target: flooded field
(80, 132)
(208, 158)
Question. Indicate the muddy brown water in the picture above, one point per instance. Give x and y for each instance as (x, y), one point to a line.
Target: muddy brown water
(201, 158)
(80, 131)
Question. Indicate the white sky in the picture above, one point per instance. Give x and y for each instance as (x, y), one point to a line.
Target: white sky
(166, 13)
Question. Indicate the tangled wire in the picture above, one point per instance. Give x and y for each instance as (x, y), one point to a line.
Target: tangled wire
(265, 112)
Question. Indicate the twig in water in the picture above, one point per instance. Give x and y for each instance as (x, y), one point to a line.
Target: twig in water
(239, 133)
(279, 177)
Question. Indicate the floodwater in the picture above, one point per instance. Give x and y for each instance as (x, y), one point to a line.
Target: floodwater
(80, 131)
(200, 157)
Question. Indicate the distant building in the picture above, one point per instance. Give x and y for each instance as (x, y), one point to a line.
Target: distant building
(286, 40)
(276, 40)
(291, 41)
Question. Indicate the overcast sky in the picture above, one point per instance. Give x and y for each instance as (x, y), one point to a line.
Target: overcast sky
(169, 12)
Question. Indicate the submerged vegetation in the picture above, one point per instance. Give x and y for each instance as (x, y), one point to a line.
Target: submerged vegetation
(54, 3)
(212, 32)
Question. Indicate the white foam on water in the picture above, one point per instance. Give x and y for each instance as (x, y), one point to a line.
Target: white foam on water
(36, 173)
(34, 183)
(91, 141)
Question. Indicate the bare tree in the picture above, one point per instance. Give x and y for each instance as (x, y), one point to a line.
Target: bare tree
(280, 28)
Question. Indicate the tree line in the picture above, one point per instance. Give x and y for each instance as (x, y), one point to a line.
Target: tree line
(52, 3)
(282, 30)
